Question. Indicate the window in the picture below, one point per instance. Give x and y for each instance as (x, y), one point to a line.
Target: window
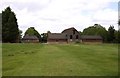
(76, 36)
(66, 35)
(70, 36)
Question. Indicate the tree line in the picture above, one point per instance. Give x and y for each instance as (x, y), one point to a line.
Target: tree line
(110, 36)
(12, 34)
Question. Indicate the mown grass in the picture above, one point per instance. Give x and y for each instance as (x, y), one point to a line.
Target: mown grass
(60, 60)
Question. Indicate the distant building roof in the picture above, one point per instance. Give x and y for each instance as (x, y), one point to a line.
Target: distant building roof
(72, 28)
(30, 37)
(90, 37)
(57, 36)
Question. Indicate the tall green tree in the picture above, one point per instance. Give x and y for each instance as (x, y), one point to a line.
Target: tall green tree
(96, 29)
(10, 31)
(117, 36)
(31, 31)
(111, 34)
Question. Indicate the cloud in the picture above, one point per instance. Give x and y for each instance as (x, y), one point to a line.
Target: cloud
(106, 15)
(57, 15)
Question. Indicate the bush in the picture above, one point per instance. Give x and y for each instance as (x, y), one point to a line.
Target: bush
(77, 42)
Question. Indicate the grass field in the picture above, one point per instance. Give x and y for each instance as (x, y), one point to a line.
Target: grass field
(60, 60)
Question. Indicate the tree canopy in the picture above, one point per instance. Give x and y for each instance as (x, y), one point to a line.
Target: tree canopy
(97, 29)
(111, 34)
(10, 31)
(31, 31)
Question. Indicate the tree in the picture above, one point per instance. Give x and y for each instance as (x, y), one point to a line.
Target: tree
(10, 31)
(118, 36)
(119, 22)
(111, 35)
(118, 31)
(44, 37)
(80, 32)
(96, 30)
(20, 35)
(31, 31)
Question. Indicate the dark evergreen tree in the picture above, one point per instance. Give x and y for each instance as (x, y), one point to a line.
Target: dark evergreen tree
(10, 31)
(111, 34)
(118, 36)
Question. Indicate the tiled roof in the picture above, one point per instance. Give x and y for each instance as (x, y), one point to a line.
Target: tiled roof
(28, 37)
(57, 36)
(72, 28)
(90, 37)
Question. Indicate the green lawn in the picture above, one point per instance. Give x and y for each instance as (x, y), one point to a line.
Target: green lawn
(60, 60)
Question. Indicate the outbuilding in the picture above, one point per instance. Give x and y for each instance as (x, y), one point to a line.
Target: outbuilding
(30, 39)
(91, 39)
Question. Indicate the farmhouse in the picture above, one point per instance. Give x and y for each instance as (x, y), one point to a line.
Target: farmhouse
(72, 35)
(30, 39)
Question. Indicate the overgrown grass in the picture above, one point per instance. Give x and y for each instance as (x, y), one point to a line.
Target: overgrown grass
(60, 60)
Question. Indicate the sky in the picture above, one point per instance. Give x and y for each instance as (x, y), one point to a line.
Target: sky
(57, 15)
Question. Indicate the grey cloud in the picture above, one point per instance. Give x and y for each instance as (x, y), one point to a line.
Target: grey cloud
(50, 19)
(31, 6)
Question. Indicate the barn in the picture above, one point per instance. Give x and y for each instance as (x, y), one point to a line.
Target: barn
(30, 39)
(91, 39)
(57, 38)
(72, 35)
(66, 36)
